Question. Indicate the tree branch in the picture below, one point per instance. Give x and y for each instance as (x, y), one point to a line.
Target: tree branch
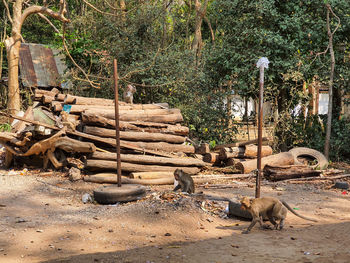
(93, 84)
(98, 10)
(8, 11)
(34, 9)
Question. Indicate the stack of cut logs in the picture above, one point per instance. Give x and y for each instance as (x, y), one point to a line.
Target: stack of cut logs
(151, 137)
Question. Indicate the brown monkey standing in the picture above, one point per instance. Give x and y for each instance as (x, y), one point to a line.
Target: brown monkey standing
(273, 208)
(185, 181)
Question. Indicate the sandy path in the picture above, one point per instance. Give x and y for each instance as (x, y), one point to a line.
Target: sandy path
(45, 221)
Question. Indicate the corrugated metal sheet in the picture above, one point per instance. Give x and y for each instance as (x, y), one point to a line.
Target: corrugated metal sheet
(38, 66)
(26, 67)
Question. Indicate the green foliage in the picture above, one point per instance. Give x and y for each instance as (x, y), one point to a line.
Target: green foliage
(5, 127)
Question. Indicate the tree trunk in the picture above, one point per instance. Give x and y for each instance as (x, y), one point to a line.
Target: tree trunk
(330, 91)
(197, 43)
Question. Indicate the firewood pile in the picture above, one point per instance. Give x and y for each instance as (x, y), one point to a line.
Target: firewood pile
(62, 130)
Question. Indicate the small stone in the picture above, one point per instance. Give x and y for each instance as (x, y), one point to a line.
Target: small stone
(292, 238)
(74, 174)
(39, 231)
(110, 230)
(167, 234)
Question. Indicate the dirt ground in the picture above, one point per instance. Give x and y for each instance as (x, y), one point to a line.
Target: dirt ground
(43, 219)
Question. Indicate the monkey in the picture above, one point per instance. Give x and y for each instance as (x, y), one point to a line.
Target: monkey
(185, 181)
(129, 94)
(272, 207)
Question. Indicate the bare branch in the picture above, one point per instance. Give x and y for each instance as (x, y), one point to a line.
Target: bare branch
(49, 22)
(34, 9)
(210, 28)
(141, 70)
(331, 10)
(98, 10)
(93, 84)
(8, 11)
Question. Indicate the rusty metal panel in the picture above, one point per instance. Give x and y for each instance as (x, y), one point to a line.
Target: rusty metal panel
(38, 57)
(49, 65)
(27, 71)
(38, 66)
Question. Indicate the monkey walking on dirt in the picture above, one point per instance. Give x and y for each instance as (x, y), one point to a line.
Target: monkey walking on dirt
(273, 208)
(185, 181)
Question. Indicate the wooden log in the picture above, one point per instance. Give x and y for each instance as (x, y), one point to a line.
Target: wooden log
(147, 159)
(248, 151)
(231, 152)
(135, 136)
(251, 151)
(153, 127)
(165, 147)
(278, 173)
(233, 161)
(70, 99)
(156, 115)
(237, 144)
(99, 165)
(56, 106)
(203, 148)
(152, 175)
(71, 145)
(211, 158)
(40, 92)
(60, 97)
(284, 158)
(47, 99)
(113, 179)
(128, 145)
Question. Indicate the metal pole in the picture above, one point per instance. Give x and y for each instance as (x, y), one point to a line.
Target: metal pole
(117, 133)
(262, 63)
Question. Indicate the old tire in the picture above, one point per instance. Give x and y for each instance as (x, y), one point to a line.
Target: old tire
(322, 162)
(114, 194)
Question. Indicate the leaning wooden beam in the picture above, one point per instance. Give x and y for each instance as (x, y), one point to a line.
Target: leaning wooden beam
(135, 136)
(98, 165)
(147, 159)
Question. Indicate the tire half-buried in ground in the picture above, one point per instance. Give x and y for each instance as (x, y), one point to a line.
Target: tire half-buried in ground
(303, 152)
(113, 194)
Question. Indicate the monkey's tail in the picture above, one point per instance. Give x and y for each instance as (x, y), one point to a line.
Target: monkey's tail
(295, 213)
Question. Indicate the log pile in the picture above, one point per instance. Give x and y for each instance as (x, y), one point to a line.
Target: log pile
(60, 127)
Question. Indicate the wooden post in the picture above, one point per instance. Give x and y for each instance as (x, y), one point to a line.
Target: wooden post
(117, 133)
(262, 63)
